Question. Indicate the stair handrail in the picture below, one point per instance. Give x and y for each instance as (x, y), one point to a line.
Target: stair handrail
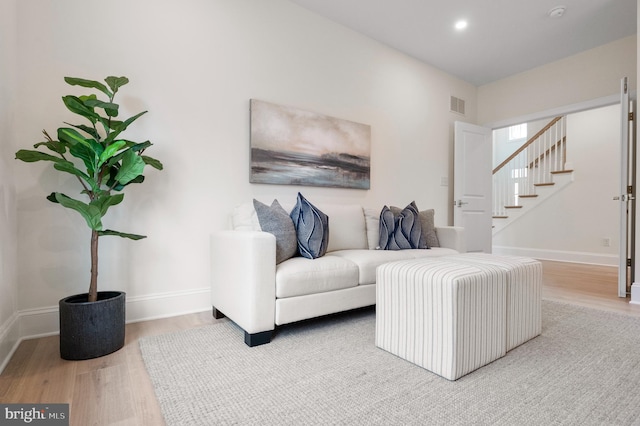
(527, 143)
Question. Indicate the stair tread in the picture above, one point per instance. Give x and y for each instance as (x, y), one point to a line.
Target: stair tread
(544, 184)
(500, 217)
(512, 207)
(557, 172)
(528, 196)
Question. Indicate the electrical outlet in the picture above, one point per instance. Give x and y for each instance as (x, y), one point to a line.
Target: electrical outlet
(444, 181)
(606, 242)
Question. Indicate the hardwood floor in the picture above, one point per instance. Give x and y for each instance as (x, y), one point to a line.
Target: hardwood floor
(586, 285)
(111, 390)
(116, 390)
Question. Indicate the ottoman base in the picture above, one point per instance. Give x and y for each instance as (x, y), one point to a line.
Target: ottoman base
(442, 315)
(524, 293)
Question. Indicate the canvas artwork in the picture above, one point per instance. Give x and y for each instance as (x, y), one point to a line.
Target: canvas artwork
(290, 146)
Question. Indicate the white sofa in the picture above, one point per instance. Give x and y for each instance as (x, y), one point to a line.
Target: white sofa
(258, 295)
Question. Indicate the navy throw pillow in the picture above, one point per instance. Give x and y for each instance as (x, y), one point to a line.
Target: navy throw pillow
(312, 228)
(400, 231)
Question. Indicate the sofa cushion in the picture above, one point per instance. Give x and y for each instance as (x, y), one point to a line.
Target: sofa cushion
(275, 220)
(312, 228)
(427, 220)
(369, 260)
(300, 276)
(401, 230)
(347, 230)
(244, 218)
(372, 223)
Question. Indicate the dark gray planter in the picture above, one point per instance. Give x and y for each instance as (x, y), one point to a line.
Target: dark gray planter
(91, 330)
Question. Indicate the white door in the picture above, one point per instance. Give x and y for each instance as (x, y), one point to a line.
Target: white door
(472, 188)
(627, 191)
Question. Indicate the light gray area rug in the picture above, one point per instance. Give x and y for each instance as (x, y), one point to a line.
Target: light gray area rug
(583, 370)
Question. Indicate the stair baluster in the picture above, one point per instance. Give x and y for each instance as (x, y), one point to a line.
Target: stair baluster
(530, 166)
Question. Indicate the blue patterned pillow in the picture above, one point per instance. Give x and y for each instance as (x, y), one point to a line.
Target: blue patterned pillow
(312, 228)
(402, 230)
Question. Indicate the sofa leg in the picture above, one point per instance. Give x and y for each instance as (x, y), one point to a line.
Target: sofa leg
(217, 314)
(257, 339)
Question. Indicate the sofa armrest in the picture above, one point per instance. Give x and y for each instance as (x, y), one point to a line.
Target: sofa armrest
(243, 270)
(452, 237)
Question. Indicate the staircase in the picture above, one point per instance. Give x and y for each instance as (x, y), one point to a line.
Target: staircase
(533, 173)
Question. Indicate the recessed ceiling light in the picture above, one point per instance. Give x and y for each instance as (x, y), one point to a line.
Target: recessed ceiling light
(461, 25)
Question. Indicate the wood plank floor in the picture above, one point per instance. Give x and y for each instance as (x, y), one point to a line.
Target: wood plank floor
(116, 390)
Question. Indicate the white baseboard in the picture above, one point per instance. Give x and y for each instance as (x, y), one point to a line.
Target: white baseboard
(635, 294)
(9, 339)
(165, 305)
(559, 255)
(34, 323)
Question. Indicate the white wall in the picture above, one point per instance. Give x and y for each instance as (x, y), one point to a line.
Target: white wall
(582, 79)
(589, 75)
(573, 224)
(9, 328)
(194, 65)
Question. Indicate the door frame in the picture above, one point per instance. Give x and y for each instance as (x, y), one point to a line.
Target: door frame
(570, 109)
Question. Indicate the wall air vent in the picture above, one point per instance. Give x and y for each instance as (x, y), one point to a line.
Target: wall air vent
(457, 105)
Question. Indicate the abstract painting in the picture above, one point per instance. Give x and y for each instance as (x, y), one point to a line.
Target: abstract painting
(290, 146)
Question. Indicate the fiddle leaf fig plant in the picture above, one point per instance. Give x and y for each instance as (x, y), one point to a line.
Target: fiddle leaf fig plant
(95, 152)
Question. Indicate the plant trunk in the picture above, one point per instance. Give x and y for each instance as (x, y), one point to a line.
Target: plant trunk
(93, 285)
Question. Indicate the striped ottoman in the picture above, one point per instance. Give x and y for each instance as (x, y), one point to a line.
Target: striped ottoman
(445, 316)
(524, 293)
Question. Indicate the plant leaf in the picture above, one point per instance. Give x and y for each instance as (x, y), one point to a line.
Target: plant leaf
(52, 197)
(76, 106)
(132, 167)
(91, 131)
(105, 201)
(113, 171)
(110, 151)
(152, 162)
(86, 154)
(116, 82)
(109, 107)
(123, 126)
(54, 146)
(31, 156)
(106, 125)
(72, 137)
(88, 83)
(91, 214)
(121, 234)
(68, 167)
(88, 150)
(135, 147)
(140, 146)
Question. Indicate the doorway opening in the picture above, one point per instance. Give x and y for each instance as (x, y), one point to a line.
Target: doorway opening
(579, 220)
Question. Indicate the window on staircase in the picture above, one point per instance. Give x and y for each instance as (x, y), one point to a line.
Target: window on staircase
(519, 173)
(519, 131)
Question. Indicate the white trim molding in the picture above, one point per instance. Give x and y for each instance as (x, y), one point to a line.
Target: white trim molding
(635, 294)
(562, 110)
(559, 255)
(40, 322)
(9, 339)
(170, 304)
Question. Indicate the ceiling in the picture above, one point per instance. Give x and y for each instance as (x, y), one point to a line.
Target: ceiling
(503, 37)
